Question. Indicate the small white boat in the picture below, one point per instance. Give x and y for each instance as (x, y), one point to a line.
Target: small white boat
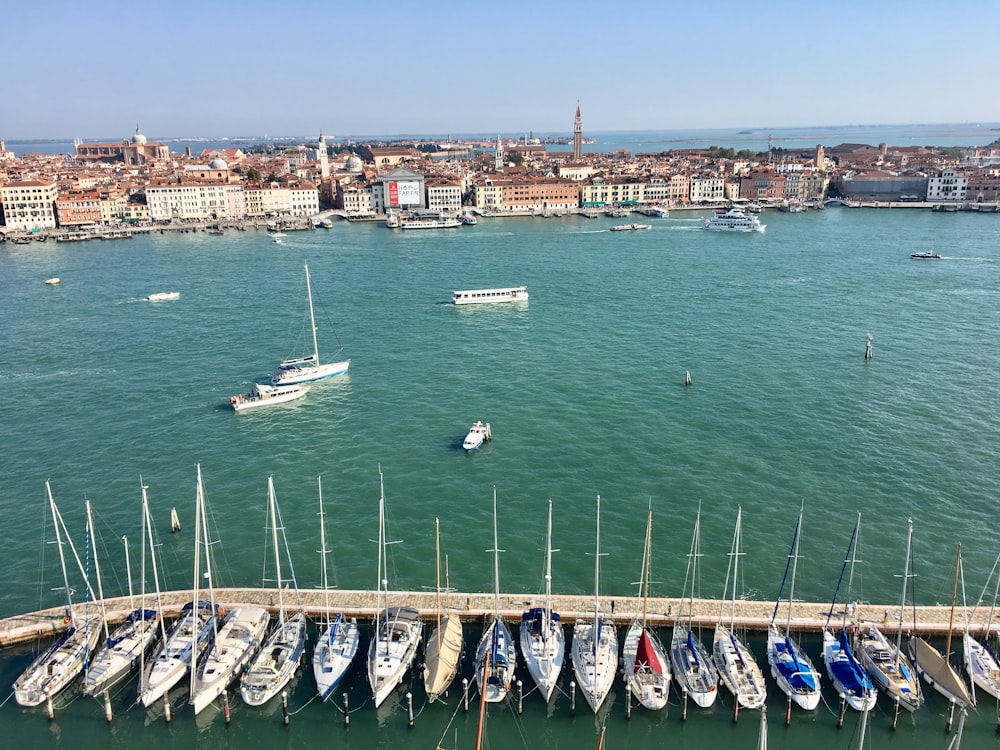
(267, 395)
(629, 227)
(925, 255)
(478, 433)
(163, 296)
(54, 281)
(490, 296)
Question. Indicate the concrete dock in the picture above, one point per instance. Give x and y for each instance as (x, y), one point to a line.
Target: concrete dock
(475, 607)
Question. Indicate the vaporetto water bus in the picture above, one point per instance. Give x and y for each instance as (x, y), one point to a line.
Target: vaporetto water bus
(490, 296)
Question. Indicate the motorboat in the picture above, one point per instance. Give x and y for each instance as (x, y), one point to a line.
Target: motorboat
(468, 219)
(54, 281)
(267, 395)
(629, 227)
(478, 434)
(926, 255)
(163, 296)
(734, 220)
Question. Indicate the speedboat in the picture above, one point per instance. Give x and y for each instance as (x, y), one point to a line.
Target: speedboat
(163, 296)
(926, 255)
(266, 395)
(54, 281)
(478, 433)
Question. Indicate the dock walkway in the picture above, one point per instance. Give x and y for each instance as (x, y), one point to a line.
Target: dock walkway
(661, 612)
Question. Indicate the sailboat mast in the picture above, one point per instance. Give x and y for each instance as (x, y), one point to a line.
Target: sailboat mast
(62, 555)
(97, 567)
(312, 319)
(547, 625)
(323, 550)
(597, 576)
(736, 565)
(437, 577)
(695, 542)
(906, 575)
(496, 560)
(645, 565)
(277, 556)
(194, 587)
(954, 593)
(148, 528)
(795, 564)
(382, 582)
(848, 559)
(128, 573)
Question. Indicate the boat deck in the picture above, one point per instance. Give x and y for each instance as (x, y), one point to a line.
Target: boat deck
(750, 615)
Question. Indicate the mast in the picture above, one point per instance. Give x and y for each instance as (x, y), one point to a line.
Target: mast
(128, 573)
(496, 561)
(597, 579)
(547, 625)
(437, 577)
(382, 582)
(323, 550)
(951, 617)
(848, 559)
(194, 587)
(62, 556)
(277, 557)
(736, 565)
(906, 575)
(97, 567)
(695, 542)
(645, 565)
(148, 534)
(795, 564)
(312, 319)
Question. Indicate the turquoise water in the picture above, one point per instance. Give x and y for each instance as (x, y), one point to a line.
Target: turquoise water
(583, 387)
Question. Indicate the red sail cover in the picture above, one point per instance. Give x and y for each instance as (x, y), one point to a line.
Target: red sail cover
(645, 655)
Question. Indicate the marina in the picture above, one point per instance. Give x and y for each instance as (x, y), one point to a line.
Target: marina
(586, 388)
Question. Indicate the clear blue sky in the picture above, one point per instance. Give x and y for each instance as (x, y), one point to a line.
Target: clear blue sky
(224, 67)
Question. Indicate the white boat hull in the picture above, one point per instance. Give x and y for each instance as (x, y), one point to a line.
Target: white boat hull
(648, 680)
(299, 375)
(238, 640)
(129, 642)
(264, 395)
(693, 669)
(889, 669)
(334, 654)
(172, 659)
(982, 665)
(857, 698)
(60, 664)
(494, 679)
(739, 669)
(544, 652)
(595, 659)
(793, 670)
(277, 662)
(392, 651)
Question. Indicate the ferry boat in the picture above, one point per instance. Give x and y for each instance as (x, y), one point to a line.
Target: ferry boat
(429, 221)
(926, 255)
(734, 220)
(629, 227)
(490, 296)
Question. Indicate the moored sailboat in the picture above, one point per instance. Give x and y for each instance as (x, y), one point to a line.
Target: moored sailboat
(543, 643)
(496, 656)
(790, 667)
(444, 648)
(339, 638)
(62, 662)
(644, 661)
(279, 659)
(595, 643)
(397, 629)
(308, 368)
(980, 660)
(737, 666)
(885, 662)
(845, 671)
(693, 668)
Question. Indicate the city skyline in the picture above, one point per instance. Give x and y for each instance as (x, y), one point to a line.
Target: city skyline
(444, 67)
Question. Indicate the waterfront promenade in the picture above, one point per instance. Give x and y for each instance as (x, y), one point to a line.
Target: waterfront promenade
(475, 607)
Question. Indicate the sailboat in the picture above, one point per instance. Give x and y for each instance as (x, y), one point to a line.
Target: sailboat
(845, 671)
(397, 629)
(190, 635)
(60, 664)
(306, 369)
(980, 662)
(278, 661)
(495, 674)
(236, 640)
(644, 661)
(885, 662)
(444, 648)
(126, 646)
(790, 667)
(595, 643)
(737, 665)
(934, 666)
(338, 643)
(693, 667)
(543, 643)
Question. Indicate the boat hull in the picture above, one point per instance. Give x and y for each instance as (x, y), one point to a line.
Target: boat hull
(935, 670)
(441, 656)
(238, 640)
(334, 654)
(58, 666)
(543, 648)
(595, 659)
(982, 665)
(646, 667)
(847, 675)
(279, 659)
(392, 651)
(263, 395)
(792, 670)
(889, 668)
(495, 678)
(693, 669)
(299, 375)
(126, 646)
(738, 669)
(172, 659)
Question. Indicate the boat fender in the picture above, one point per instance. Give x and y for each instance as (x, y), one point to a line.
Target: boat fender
(222, 611)
(67, 620)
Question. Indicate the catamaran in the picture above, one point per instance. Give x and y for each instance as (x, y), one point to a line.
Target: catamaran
(934, 666)
(980, 662)
(126, 646)
(338, 642)
(495, 672)
(645, 663)
(305, 369)
(543, 643)
(790, 667)
(693, 667)
(595, 643)
(397, 629)
(444, 648)
(60, 664)
(235, 642)
(279, 659)
(845, 671)
(737, 666)
(885, 662)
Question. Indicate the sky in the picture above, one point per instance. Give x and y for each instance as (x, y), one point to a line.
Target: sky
(251, 68)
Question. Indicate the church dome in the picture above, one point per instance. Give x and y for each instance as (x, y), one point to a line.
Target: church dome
(354, 163)
(138, 139)
(218, 164)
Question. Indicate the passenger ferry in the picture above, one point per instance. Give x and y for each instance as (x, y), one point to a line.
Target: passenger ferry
(629, 227)
(490, 296)
(422, 219)
(734, 220)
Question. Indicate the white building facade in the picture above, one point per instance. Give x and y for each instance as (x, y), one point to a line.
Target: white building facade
(30, 204)
(947, 186)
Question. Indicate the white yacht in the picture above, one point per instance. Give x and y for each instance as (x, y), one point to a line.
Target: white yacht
(478, 434)
(734, 220)
(267, 395)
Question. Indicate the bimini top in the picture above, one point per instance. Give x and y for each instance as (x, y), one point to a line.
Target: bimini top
(488, 296)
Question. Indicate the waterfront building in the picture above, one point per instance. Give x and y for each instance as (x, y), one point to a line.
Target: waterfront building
(526, 194)
(137, 151)
(984, 185)
(444, 194)
(193, 200)
(611, 191)
(79, 209)
(947, 185)
(354, 198)
(763, 183)
(29, 204)
(280, 199)
(401, 189)
(879, 185)
(708, 188)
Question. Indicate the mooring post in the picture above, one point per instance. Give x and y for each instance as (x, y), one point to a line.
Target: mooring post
(628, 700)
(895, 712)
(520, 698)
(107, 707)
(465, 693)
(48, 707)
(284, 707)
(166, 707)
(736, 709)
(409, 710)
(788, 711)
(684, 704)
(225, 705)
(843, 707)
(347, 713)
(951, 716)
(572, 697)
